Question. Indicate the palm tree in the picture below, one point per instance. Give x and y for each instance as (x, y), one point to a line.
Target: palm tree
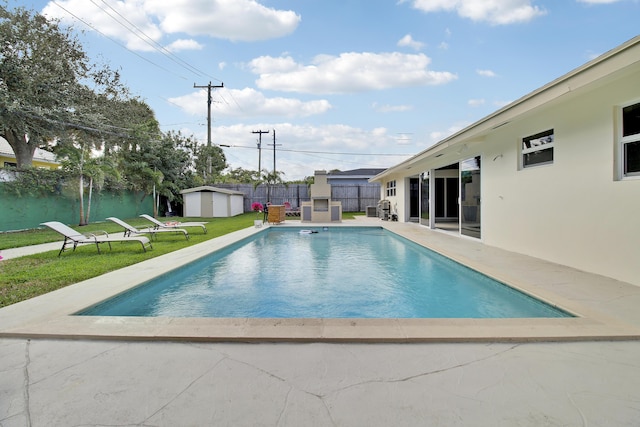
(270, 179)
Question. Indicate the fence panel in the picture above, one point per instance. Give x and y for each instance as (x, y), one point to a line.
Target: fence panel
(354, 197)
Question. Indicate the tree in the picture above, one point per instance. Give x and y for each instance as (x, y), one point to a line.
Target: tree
(270, 179)
(210, 161)
(176, 161)
(240, 175)
(44, 83)
(78, 162)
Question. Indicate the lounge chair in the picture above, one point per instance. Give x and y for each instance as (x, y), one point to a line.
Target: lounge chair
(131, 230)
(289, 211)
(173, 225)
(75, 238)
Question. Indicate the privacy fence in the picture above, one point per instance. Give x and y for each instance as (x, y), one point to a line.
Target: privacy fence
(20, 213)
(354, 197)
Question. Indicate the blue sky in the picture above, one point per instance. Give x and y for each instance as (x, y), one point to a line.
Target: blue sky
(345, 84)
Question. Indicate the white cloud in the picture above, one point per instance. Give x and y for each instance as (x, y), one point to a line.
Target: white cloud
(108, 20)
(475, 102)
(348, 73)
(495, 12)
(307, 144)
(240, 20)
(391, 108)
(249, 103)
(182, 44)
(486, 73)
(408, 41)
(269, 65)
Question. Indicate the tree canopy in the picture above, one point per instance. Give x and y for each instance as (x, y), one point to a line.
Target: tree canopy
(48, 85)
(52, 96)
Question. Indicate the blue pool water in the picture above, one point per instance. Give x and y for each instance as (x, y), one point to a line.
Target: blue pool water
(338, 272)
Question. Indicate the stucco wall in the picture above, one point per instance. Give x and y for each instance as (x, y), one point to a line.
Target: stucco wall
(574, 211)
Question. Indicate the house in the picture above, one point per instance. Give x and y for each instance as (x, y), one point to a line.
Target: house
(554, 175)
(41, 158)
(212, 202)
(351, 177)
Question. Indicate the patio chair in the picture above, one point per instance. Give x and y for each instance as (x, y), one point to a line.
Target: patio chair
(289, 211)
(130, 229)
(75, 238)
(173, 225)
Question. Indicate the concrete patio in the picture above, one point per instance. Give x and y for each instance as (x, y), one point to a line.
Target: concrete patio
(531, 374)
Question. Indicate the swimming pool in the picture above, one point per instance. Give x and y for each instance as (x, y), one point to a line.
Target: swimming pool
(335, 272)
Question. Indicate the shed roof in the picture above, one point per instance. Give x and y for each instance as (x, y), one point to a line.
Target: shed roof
(210, 189)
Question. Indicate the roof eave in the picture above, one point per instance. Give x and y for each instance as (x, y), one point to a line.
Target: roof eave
(571, 81)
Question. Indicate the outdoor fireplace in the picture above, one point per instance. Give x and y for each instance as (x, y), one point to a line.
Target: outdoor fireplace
(321, 208)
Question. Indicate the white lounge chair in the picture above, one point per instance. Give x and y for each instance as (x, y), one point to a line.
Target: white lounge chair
(159, 224)
(75, 238)
(130, 229)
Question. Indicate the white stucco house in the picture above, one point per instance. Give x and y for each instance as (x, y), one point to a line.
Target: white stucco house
(554, 175)
(212, 202)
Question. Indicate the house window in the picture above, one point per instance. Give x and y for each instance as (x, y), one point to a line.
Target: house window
(630, 141)
(537, 149)
(391, 188)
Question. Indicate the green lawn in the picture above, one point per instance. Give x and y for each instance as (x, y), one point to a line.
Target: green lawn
(33, 275)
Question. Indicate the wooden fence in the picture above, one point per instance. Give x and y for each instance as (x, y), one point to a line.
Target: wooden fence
(354, 197)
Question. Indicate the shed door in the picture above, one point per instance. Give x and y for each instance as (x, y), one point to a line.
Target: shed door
(207, 204)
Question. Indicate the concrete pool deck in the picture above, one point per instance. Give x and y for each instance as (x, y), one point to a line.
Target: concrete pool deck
(131, 381)
(599, 303)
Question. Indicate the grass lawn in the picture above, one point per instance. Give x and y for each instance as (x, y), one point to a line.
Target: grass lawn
(29, 276)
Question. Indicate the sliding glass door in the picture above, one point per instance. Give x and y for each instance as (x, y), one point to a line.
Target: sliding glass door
(470, 197)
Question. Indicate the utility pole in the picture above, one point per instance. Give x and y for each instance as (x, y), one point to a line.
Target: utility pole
(259, 132)
(274, 151)
(209, 86)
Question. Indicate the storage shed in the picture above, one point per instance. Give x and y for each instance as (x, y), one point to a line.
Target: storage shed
(210, 202)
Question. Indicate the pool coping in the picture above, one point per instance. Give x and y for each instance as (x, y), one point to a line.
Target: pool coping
(51, 315)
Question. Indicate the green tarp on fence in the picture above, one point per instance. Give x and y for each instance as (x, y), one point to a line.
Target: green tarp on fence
(20, 213)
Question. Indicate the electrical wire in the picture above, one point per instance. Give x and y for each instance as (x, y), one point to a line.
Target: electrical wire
(322, 152)
(116, 42)
(148, 40)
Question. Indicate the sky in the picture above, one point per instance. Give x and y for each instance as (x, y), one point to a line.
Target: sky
(344, 84)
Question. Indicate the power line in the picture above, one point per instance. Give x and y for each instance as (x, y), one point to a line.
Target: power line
(325, 152)
(116, 42)
(151, 42)
(147, 39)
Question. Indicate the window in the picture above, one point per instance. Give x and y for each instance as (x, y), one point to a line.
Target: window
(630, 140)
(537, 149)
(391, 188)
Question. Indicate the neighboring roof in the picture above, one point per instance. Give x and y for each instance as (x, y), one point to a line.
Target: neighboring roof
(39, 155)
(357, 173)
(622, 59)
(207, 188)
